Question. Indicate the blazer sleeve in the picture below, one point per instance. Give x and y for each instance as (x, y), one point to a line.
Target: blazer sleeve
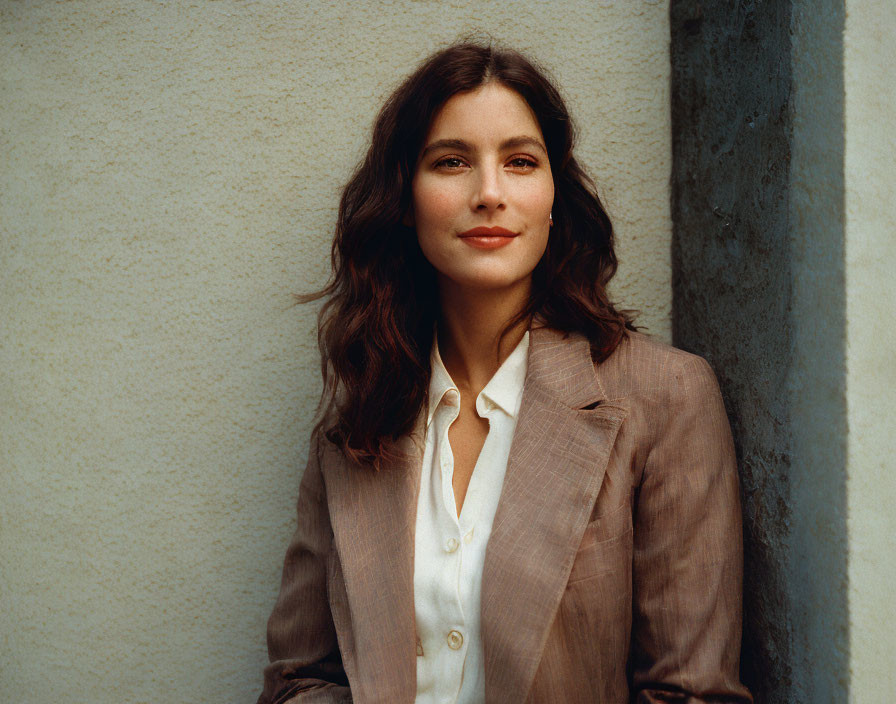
(688, 556)
(305, 663)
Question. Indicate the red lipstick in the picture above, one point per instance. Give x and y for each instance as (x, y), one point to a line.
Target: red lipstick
(487, 237)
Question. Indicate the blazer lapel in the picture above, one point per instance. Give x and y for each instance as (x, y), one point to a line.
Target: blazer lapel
(371, 578)
(555, 469)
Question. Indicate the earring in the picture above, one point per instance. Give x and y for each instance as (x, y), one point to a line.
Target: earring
(551, 219)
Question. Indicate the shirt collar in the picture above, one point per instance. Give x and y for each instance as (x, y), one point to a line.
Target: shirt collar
(440, 381)
(504, 389)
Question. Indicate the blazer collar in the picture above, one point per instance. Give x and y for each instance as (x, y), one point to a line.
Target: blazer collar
(564, 435)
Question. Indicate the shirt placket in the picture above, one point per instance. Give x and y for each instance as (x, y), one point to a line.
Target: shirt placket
(454, 627)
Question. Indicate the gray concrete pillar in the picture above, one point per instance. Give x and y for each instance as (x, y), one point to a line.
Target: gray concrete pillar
(757, 207)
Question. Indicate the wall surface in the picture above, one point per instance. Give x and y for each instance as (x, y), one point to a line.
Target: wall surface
(869, 55)
(171, 172)
(817, 554)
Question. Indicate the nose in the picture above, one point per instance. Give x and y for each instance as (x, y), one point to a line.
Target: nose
(490, 190)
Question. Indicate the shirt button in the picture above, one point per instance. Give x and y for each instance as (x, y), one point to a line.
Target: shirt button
(451, 545)
(455, 640)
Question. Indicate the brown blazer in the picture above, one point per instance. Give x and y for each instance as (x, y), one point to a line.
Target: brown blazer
(613, 571)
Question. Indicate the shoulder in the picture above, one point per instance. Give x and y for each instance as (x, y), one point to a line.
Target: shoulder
(643, 366)
(669, 395)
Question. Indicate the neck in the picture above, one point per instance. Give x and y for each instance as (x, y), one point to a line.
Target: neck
(470, 326)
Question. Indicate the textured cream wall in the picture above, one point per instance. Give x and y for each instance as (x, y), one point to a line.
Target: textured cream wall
(870, 202)
(171, 172)
(844, 221)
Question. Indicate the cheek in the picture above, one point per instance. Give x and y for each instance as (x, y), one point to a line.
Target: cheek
(542, 197)
(433, 209)
(433, 204)
(540, 202)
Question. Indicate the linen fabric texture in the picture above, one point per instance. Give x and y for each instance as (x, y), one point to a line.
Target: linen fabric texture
(612, 573)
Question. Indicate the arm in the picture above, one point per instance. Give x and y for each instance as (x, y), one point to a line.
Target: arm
(688, 556)
(305, 662)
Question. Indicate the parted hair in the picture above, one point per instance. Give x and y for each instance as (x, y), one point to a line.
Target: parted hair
(375, 329)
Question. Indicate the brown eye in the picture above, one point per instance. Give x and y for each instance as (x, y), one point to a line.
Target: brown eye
(450, 162)
(523, 162)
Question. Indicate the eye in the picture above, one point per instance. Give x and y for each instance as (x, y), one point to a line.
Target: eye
(449, 162)
(522, 162)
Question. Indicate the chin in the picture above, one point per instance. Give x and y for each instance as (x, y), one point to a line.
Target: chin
(488, 283)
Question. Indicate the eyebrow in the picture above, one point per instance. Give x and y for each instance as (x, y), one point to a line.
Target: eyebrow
(462, 146)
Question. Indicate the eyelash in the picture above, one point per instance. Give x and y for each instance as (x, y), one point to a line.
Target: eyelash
(528, 162)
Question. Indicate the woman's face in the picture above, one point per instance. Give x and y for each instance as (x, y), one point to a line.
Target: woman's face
(483, 190)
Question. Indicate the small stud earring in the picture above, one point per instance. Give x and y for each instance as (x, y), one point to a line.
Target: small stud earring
(551, 219)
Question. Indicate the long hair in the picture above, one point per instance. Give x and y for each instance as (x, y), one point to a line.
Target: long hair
(375, 330)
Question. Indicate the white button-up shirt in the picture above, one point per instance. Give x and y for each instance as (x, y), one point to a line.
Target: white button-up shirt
(450, 549)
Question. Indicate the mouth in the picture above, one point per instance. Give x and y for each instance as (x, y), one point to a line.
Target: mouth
(488, 232)
(487, 237)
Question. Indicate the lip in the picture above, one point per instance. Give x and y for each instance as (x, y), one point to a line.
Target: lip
(488, 232)
(487, 237)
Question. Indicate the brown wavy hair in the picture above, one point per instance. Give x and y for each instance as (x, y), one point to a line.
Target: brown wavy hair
(375, 330)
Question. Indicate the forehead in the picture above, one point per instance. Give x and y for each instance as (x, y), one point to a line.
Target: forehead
(491, 112)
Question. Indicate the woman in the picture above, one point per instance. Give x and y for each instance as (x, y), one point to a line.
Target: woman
(512, 496)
